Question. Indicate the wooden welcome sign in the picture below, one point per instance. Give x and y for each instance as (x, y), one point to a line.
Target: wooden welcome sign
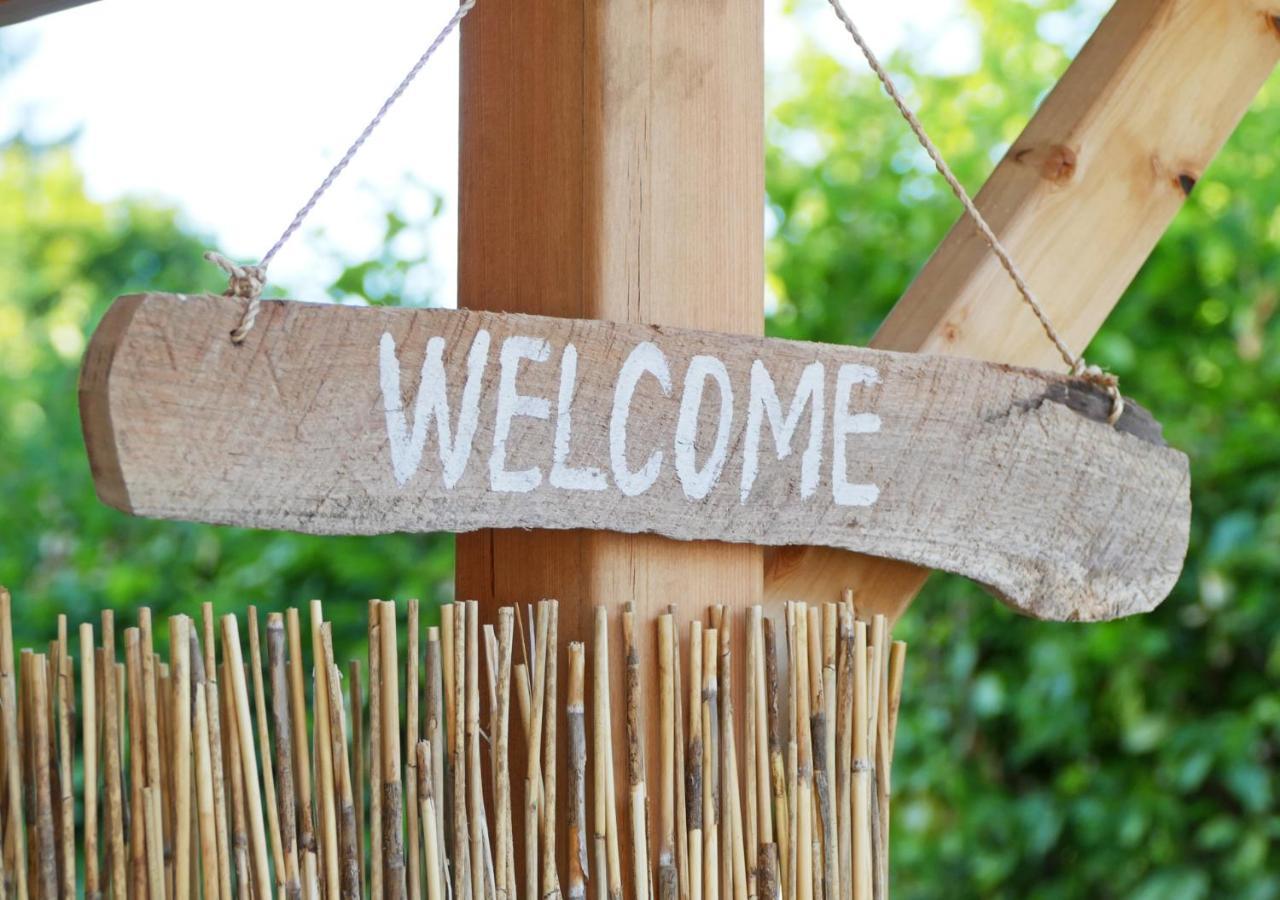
(345, 420)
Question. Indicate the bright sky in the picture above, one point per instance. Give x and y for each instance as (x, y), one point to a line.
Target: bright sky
(234, 111)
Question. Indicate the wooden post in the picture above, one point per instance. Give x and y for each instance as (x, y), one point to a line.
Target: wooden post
(611, 167)
(1080, 200)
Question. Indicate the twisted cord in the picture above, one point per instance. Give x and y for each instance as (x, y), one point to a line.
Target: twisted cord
(247, 282)
(1075, 363)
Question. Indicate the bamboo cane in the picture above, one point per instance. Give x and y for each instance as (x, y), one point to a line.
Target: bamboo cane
(67, 797)
(636, 759)
(862, 883)
(24, 748)
(327, 815)
(204, 798)
(248, 761)
(430, 835)
(138, 863)
(759, 738)
(16, 843)
(751, 803)
(167, 794)
(777, 770)
(436, 739)
(46, 852)
(152, 720)
(844, 752)
(888, 732)
(682, 825)
(729, 785)
(412, 849)
(89, 734)
(15, 833)
(358, 776)
(846, 680)
(608, 857)
(447, 799)
(711, 871)
(876, 676)
(307, 849)
(462, 887)
(349, 866)
(695, 792)
(668, 881)
(534, 775)
(235, 779)
(112, 743)
(264, 751)
(155, 849)
(575, 711)
(213, 700)
(375, 746)
(550, 877)
(502, 772)
(480, 868)
(393, 884)
(180, 718)
(830, 796)
(803, 850)
(823, 823)
(286, 796)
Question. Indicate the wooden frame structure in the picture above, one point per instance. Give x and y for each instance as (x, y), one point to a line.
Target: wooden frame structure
(610, 168)
(1080, 199)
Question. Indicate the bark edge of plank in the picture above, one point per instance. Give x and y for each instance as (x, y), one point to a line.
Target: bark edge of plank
(1005, 475)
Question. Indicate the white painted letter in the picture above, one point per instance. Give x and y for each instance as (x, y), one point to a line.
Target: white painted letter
(764, 405)
(511, 404)
(845, 423)
(645, 358)
(587, 478)
(697, 483)
(432, 402)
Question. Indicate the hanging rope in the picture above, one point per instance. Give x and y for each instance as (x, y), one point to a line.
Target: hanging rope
(247, 282)
(1076, 363)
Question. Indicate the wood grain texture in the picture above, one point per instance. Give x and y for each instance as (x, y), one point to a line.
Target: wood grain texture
(1080, 199)
(14, 11)
(1008, 476)
(611, 166)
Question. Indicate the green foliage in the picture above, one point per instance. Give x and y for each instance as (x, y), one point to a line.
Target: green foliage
(1059, 761)
(63, 258)
(1132, 758)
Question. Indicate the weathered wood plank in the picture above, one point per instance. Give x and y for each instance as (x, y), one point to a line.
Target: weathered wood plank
(1080, 199)
(356, 420)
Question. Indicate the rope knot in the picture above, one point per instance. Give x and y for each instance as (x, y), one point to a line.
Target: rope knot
(243, 283)
(1106, 380)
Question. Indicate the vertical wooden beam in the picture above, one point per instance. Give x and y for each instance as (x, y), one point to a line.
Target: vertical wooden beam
(611, 167)
(1080, 200)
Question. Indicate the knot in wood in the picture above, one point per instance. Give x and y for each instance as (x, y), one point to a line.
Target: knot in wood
(1056, 162)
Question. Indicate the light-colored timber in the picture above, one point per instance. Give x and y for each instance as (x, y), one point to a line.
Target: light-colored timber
(1022, 485)
(722, 850)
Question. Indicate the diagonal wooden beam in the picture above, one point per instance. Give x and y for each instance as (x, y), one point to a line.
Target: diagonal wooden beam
(1080, 200)
(14, 11)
